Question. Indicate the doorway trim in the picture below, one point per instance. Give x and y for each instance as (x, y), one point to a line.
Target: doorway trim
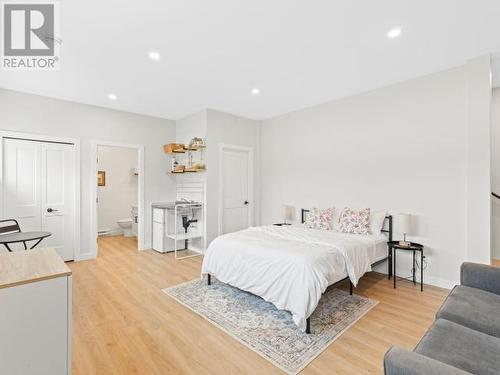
(77, 198)
(251, 208)
(94, 144)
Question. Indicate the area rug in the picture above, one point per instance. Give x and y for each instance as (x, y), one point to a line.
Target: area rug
(266, 330)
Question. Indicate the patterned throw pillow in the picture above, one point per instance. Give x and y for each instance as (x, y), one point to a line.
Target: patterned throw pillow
(320, 219)
(355, 221)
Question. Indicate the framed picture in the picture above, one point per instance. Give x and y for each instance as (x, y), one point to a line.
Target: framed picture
(101, 178)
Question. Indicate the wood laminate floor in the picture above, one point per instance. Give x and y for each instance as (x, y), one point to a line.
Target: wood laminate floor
(124, 324)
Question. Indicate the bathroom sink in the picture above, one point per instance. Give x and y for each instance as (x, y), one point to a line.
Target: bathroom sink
(171, 205)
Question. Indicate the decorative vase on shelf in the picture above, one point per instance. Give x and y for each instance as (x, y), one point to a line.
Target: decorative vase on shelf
(175, 163)
(196, 143)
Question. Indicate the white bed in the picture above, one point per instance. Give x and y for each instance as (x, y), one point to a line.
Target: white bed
(291, 266)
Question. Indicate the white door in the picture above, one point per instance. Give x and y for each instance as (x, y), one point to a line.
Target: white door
(21, 183)
(236, 202)
(39, 190)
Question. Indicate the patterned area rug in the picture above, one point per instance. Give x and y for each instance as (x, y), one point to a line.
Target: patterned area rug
(268, 331)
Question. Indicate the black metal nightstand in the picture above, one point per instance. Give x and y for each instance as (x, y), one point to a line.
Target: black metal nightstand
(414, 247)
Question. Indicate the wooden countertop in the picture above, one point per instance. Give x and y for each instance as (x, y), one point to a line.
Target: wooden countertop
(22, 267)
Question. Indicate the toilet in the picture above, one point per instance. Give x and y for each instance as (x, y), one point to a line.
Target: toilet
(126, 226)
(129, 226)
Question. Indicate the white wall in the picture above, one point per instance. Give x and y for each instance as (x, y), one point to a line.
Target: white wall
(403, 148)
(495, 172)
(116, 198)
(194, 125)
(478, 146)
(35, 114)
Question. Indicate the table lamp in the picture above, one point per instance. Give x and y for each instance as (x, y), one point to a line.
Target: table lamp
(404, 226)
(288, 214)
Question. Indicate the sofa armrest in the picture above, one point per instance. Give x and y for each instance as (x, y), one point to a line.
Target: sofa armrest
(480, 276)
(402, 362)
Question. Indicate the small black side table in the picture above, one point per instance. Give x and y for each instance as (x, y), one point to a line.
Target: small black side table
(414, 247)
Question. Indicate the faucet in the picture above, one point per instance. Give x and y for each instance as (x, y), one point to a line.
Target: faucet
(186, 223)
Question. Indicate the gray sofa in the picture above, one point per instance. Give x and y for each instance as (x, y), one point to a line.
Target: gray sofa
(465, 337)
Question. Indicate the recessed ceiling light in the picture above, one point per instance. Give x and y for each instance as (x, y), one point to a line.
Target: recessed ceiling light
(112, 96)
(255, 91)
(394, 33)
(155, 56)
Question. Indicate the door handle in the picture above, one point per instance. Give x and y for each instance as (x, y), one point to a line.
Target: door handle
(51, 210)
(246, 203)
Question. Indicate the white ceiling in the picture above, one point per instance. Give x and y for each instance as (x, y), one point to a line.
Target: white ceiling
(299, 53)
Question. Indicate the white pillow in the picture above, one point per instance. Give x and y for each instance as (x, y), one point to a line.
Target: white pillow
(377, 221)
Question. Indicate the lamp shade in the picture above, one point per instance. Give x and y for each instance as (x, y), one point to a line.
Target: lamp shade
(404, 223)
(288, 212)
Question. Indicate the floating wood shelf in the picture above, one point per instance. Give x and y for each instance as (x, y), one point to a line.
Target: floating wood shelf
(189, 171)
(194, 170)
(184, 150)
(177, 148)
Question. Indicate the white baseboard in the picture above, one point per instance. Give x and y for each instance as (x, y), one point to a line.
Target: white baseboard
(430, 280)
(109, 232)
(147, 246)
(442, 283)
(85, 256)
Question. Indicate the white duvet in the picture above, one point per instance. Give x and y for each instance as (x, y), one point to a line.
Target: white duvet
(289, 266)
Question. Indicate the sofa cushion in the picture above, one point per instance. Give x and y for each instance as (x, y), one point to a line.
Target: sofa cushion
(480, 276)
(461, 347)
(401, 362)
(473, 308)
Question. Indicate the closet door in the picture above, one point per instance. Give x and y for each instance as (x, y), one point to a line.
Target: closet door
(39, 190)
(22, 183)
(57, 197)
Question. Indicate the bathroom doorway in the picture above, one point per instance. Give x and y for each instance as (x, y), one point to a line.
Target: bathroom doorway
(117, 197)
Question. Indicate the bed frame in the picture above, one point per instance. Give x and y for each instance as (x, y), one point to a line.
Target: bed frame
(386, 228)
